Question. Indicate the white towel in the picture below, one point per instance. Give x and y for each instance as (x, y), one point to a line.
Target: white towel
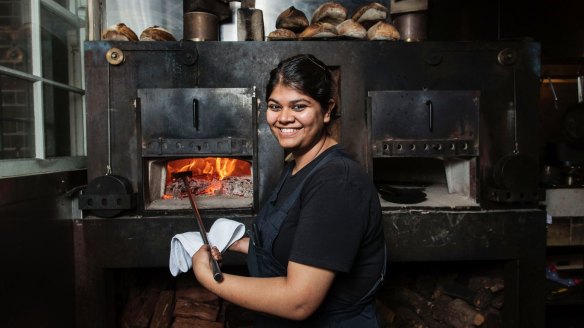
(223, 233)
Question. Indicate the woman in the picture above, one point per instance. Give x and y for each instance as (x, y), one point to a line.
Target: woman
(318, 252)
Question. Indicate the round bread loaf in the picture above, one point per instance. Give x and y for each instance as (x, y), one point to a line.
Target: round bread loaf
(281, 33)
(382, 31)
(351, 29)
(329, 12)
(292, 19)
(319, 30)
(156, 33)
(369, 14)
(119, 32)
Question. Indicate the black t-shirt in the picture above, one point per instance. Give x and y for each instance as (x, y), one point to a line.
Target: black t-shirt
(336, 224)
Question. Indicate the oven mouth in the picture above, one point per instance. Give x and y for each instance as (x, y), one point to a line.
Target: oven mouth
(426, 182)
(215, 182)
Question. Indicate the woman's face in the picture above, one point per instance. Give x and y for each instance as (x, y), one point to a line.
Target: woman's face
(296, 120)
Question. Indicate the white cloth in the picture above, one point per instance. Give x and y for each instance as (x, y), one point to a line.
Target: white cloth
(223, 233)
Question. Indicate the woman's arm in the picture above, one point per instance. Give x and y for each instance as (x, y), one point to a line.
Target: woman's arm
(295, 296)
(240, 246)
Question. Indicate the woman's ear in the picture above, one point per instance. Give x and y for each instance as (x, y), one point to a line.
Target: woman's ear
(327, 115)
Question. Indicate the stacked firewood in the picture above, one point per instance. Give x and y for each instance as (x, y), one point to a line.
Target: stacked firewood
(477, 303)
(189, 305)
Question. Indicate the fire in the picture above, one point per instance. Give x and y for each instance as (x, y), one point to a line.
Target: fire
(211, 169)
(219, 167)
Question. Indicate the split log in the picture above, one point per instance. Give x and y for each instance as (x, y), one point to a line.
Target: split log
(199, 310)
(462, 315)
(483, 299)
(139, 310)
(493, 284)
(492, 318)
(163, 311)
(190, 323)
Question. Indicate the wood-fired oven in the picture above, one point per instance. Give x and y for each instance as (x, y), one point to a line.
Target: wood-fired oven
(443, 129)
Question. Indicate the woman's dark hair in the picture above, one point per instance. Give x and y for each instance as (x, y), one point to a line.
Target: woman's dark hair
(306, 74)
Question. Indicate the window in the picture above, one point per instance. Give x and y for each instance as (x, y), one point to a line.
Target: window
(41, 86)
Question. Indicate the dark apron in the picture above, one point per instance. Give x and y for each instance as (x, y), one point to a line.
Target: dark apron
(262, 263)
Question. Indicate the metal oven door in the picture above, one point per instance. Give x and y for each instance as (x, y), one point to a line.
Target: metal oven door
(208, 131)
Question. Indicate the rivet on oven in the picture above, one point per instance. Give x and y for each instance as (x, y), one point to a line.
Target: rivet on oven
(412, 147)
(115, 56)
(399, 147)
(452, 147)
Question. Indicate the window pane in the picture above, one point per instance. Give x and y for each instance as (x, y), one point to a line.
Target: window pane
(60, 49)
(63, 111)
(16, 118)
(15, 35)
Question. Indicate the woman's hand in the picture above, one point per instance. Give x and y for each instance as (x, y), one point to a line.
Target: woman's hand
(240, 246)
(202, 257)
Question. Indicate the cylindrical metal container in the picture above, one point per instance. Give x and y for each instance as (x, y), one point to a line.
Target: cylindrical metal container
(200, 26)
(411, 26)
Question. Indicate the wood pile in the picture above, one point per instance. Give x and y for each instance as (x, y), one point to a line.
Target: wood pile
(446, 303)
(187, 305)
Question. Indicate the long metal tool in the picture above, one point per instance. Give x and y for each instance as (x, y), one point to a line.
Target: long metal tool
(217, 275)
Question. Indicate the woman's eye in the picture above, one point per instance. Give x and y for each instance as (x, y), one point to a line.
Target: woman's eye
(274, 107)
(298, 107)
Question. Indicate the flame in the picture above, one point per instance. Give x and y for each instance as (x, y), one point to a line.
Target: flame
(208, 168)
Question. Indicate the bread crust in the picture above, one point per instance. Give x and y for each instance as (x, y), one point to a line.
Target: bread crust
(383, 31)
(119, 32)
(369, 14)
(319, 30)
(352, 29)
(292, 19)
(329, 12)
(156, 33)
(282, 33)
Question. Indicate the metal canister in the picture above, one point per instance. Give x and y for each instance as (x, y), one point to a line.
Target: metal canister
(411, 26)
(200, 26)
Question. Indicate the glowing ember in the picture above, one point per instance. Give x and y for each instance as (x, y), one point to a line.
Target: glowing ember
(210, 176)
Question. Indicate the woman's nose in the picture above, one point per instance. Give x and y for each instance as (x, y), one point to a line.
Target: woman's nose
(286, 115)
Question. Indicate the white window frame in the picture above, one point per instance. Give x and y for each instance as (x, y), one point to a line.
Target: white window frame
(41, 164)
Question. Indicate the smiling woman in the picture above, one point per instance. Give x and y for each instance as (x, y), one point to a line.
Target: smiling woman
(317, 253)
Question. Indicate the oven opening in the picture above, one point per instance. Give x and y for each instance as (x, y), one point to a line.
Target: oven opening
(216, 183)
(426, 182)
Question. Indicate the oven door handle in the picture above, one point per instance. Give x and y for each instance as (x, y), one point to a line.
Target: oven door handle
(430, 114)
(196, 114)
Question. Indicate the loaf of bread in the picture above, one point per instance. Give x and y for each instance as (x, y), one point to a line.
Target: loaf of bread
(292, 19)
(382, 31)
(156, 33)
(369, 14)
(119, 32)
(281, 33)
(319, 30)
(352, 29)
(329, 12)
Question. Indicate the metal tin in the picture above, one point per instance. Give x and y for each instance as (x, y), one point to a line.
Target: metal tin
(200, 26)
